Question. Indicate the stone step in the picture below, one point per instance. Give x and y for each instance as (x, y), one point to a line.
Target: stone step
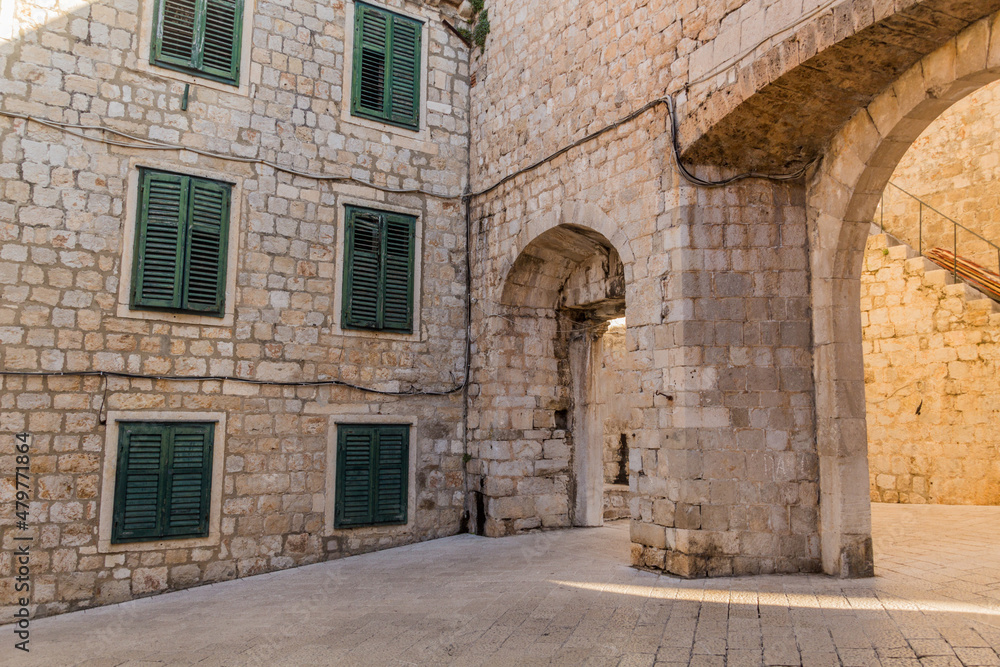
(920, 264)
(933, 274)
(938, 277)
(964, 290)
(901, 251)
(983, 303)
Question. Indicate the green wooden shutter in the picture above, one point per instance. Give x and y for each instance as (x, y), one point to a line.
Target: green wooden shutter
(220, 54)
(371, 55)
(373, 463)
(175, 33)
(208, 222)
(387, 61)
(391, 474)
(354, 476)
(379, 270)
(163, 482)
(363, 269)
(403, 104)
(181, 244)
(160, 239)
(397, 301)
(189, 481)
(139, 483)
(199, 36)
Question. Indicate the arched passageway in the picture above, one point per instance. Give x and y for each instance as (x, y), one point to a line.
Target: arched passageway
(842, 199)
(744, 310)
(543, 457)
(931, 343)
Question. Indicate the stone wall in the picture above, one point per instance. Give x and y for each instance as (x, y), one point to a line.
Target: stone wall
(64, 217)
(717, 290)
(954, 166)
(932, 358)
(614, 391)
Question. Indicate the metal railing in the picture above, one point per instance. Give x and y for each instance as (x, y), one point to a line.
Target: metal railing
(920, 240)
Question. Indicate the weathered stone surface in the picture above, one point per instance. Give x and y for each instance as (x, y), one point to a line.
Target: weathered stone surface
(742, 391)
(64, 206)
(931, 354)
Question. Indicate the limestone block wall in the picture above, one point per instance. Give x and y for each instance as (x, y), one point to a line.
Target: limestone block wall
(523, 450)
(717, 288)
(955, 167)
(615, 384)
(65, 215)
(932, 359)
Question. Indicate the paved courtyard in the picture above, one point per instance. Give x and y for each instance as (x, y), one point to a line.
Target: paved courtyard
(566, 597)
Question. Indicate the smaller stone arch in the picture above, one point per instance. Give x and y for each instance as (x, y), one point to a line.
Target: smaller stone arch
(579, 214)
(543, 418)
(568, 267)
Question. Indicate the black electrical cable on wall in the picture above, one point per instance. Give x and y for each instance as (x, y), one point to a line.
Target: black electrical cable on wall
(148, 144)
(668, 101)
(233, 378)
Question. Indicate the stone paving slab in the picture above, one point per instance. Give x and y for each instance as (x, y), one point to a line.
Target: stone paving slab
(566, 598)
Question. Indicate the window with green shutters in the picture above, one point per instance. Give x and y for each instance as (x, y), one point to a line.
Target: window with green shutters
(378, 270)
(386, 80)
(181, 242)
(200, 37)
(372, 474)
(163, 481)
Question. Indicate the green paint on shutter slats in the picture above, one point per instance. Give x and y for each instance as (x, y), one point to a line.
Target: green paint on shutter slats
(163, 481)
(372, 475)
(201, 37)
(403, 96)
(362, 266)
(354, 476)
(181, 244)
(391, 474)
(385, 81)
(397, 301)
(189, 481)
(371, 54)
(205, 284)
(379, 256)
(159, 240)
(220, 53)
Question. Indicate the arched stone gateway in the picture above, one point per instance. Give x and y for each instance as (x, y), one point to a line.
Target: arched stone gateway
(749, 452)
(541, 420)
(842, 197)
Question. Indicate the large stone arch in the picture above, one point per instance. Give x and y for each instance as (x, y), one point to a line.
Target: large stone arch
(783, 101)
(842, 198)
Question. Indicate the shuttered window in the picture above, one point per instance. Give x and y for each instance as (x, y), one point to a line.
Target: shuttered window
(378, 266)
(200, 37)
(163, 482)
(181, 244)
(372, 474)
(386, 79)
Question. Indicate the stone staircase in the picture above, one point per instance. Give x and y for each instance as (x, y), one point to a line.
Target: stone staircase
(932, 275)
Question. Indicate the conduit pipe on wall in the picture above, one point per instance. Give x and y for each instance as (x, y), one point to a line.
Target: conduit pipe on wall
(148, 144)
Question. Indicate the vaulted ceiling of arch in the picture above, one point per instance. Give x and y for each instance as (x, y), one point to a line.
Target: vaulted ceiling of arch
(786, 123)
(538, 278)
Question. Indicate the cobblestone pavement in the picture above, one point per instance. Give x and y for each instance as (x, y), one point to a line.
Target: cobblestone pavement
(566, 597)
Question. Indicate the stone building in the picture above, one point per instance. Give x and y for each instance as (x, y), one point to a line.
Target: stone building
(244, 140)
(360, 212)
